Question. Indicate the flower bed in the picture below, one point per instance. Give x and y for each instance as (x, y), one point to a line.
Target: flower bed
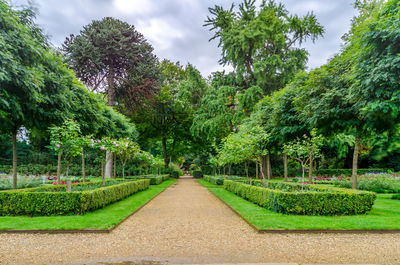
(380, 183)
(54, 200)
(289, 198)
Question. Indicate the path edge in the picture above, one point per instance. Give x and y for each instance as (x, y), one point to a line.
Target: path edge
(304, 231)
(84, 231)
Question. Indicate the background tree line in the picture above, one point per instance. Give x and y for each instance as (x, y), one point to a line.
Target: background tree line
(267, 101)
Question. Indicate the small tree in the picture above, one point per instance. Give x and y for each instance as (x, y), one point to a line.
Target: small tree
(126, 150)
(66, 141)
(145, 159)
(158, 163)
(304, 151)
(104, 145)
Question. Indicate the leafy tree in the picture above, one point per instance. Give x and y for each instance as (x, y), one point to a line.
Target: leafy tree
(66, 141)
(111, 56)
(126, 150)
(170, 114)
(304, 150)
(249, 143)
(261, 44)
(376, 85)
(33, 80)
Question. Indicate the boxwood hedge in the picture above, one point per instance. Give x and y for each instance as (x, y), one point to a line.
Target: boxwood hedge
(313, 200)
(54, 200)
(154, 179)
(219, 180)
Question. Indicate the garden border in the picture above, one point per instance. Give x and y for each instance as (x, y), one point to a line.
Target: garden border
(83, 231)
(306, 231)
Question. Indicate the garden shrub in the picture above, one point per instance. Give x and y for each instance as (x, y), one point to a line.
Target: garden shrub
(39, 169)
(380, 183)
(197, 174)
(219, 180)
(154, 179)
(288, 198)
(216, 180)
(175, 174)
(54, 200)
(396, 197)
(23, 182)
(348, 172)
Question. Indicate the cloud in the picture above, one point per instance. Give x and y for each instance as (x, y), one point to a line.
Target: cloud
(174, 27)
(133, 7)
(160, 32)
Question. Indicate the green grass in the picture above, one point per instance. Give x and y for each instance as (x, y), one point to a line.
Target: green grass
(104, 218)
(385, 214)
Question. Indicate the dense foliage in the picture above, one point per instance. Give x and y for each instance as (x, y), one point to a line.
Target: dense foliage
(316, 200)
(267, 117)
(54, 200)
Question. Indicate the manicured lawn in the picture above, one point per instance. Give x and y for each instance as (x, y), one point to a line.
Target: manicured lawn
(385, 214)
(100, 219)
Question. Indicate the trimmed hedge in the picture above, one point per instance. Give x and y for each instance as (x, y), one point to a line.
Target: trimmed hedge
(216, 180)
(219, 180)
(175, 174)
(197, 174)
(54, 200)
(288, 198)
(154, 179)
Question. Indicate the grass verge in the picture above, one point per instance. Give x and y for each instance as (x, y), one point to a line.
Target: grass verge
(384, 215)
(101, 219)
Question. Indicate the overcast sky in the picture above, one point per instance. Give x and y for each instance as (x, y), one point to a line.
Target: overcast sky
(174, 27)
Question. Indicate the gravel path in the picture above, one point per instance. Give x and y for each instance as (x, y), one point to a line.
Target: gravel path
(187, 224)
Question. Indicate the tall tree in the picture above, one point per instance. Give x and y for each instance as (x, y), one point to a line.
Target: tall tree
(110, 56)
(26, 68)
(262, 44)
(376, 85)
(169, 115)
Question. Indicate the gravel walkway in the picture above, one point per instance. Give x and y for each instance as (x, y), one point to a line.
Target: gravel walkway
(187, 224)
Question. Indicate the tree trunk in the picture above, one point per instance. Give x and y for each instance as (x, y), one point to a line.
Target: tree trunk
(14, 143)
(123, 170)
(110, 102)
(69, 187)
(59, 166)
(302, 178)
(115, 166)
(165, 154)
(257, 170)
(269, 171)
(285, 171)
(264, 167)
(83, 166)
(102, 169)
(246, 169)
(67, 171)
(111, 88)
(355, 162)
(229, 169)
(109, 165)
(140, 171)
(310, 168)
